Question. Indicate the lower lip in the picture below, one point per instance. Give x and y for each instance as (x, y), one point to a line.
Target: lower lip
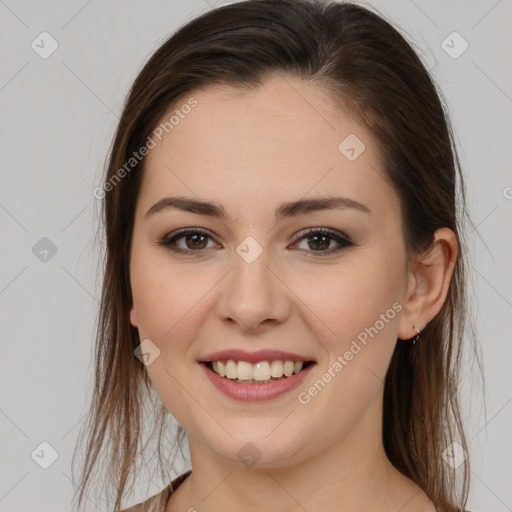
(250, 392)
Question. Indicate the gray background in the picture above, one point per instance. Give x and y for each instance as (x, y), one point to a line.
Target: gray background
(57, 120)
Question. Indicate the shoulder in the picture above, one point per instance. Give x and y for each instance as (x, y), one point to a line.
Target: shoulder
(157, 502)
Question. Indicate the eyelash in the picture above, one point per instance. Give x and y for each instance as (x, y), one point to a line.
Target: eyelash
(338, 237)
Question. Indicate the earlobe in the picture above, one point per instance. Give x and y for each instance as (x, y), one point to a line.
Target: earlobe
(429, 283)
(133, 317)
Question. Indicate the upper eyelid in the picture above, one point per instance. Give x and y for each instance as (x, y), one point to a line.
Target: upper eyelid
(328, 231)
(333, 233)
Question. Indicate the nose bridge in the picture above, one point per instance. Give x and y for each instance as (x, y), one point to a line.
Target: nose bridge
(252, 293)
(251, 275)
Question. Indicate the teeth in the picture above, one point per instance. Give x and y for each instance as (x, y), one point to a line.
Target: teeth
(244, 371)
(261, 371)
(288, 368)
(231, 369)
(276, 369)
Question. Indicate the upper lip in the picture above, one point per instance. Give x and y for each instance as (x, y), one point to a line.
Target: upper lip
(253, 357)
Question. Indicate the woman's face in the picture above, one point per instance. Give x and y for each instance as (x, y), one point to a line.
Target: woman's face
(250, 280)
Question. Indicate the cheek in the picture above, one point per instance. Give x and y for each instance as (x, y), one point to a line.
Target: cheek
(354, 310)
(157, 302)
(169, 300)
(359, 305)
(168, 304)
(353, 297)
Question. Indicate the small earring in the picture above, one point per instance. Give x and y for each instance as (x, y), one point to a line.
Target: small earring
(417, 335)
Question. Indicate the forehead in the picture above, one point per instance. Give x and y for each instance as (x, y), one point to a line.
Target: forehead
(282, 140)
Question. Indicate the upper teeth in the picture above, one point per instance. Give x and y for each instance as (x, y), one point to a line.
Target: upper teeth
(263, 370)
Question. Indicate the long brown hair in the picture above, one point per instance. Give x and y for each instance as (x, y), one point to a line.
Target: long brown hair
(374, 74)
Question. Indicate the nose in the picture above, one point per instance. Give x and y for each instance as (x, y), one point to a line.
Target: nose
(253, 295)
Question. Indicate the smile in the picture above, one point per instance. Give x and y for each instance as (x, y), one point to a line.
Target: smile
(262, 372)
(264, 380)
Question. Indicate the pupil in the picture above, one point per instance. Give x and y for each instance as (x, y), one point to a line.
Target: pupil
(322, 237)
(195, 237)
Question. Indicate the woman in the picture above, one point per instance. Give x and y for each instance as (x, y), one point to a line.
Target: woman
(285, 268)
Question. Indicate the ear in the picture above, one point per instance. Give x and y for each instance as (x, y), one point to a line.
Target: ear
(133, 317)
(428, 283)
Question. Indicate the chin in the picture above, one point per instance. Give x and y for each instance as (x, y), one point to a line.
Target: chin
(259, 450)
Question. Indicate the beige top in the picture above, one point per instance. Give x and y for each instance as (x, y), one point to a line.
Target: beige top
(158, 502)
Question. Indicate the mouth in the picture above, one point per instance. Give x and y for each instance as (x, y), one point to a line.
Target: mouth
(262, 372)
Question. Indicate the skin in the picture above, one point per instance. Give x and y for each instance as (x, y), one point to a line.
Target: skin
(251, 151)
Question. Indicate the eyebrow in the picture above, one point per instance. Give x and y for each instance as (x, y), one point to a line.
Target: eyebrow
(289, 209)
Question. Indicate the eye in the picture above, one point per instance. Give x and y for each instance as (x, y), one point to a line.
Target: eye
(194, 239)
(319, 239)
